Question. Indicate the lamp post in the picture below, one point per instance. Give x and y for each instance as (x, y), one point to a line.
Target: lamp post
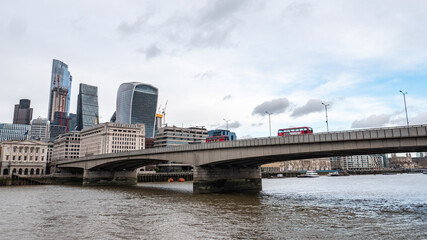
(269, 121)
(226, 122)
(406, 110)
(326, 111)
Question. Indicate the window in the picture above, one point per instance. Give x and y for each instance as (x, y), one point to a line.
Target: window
(19, 158)
(7, 157)
(13, 158)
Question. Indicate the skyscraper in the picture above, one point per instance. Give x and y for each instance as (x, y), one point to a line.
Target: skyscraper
(87, 106)
(60, 91)
(23, 113)
(137, 103)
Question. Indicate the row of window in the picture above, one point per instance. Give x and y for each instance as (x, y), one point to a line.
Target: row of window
(25, 149)
(19, 158)
(24, 171)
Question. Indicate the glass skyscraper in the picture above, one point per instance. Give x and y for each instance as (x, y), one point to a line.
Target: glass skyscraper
(14, 131)
(60, 91)
(87, 106)
(137, 103)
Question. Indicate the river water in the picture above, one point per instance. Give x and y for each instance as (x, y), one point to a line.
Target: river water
(354, 207)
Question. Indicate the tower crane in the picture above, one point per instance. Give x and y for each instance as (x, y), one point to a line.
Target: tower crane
(164, 113)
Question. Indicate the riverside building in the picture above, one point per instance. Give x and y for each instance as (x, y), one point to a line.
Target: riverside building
(66, 146)
(111, 138)
(26, 157)
(176, 136)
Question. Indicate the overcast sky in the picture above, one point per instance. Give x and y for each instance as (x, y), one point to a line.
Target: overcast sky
(230, 59)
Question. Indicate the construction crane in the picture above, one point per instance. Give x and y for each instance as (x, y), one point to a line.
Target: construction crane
(164, 113)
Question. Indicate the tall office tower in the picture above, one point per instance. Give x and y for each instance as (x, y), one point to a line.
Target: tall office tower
(60, 91)
(9, 131)
(137, 103)
(40, 129)
(23, 113)
(87, 106)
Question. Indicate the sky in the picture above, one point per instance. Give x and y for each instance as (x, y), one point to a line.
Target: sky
(217, 62)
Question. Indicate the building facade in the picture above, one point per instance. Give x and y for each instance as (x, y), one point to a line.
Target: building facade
(9, 131)
(39, 129)
(66, 146)
(111, 137)
(137, 103)
(87, 106)
(176, 136)
(26, 157)
(358, 162)
(23, 113)
(60, 91)
(55, 131)
(307, 164)
(222, 132)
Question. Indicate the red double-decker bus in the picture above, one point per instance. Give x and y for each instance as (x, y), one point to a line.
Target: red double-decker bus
(221, 138)
(295, 131)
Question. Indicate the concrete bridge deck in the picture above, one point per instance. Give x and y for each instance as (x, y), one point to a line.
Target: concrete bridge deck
(228, 159)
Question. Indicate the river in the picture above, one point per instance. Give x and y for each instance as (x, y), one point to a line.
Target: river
(353, 207)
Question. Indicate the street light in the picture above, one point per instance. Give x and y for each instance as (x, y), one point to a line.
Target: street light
(226, 122)
(326, 111)
(406, 110)
(269, 121)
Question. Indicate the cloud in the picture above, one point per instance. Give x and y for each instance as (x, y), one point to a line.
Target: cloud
(246, 137)
(226, 97)
(135, 27)
(256, 124)
(151, 52)
(274, 106)
(419, 119)
(205, 75)
(372, 121)
(313, 105)
(231, 125)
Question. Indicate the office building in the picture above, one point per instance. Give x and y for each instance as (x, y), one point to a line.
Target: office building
(176, 136)
(358, 162)
(72, 122)
(9, 131)
(60, 92)
(87, 106)
(221, 132)
(39, 129)
(137, 103)
(66, 146)
(26, 157)
(23, 113)
(111, 138)
(55, 131)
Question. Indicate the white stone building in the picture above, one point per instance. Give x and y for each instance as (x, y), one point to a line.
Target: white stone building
(111, 137)
(27, 157)
(66, 146)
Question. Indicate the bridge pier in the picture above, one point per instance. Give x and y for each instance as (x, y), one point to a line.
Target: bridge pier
(109, 177)
(226, 179)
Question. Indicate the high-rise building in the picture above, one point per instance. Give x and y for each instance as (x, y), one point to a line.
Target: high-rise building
(87, 106)
(40, 129)
(137, 103)
(23, 113)
(60, 92)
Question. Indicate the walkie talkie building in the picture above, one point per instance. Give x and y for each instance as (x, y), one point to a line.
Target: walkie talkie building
(137, 103)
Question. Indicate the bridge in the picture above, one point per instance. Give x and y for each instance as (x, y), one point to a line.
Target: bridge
(235, 165)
